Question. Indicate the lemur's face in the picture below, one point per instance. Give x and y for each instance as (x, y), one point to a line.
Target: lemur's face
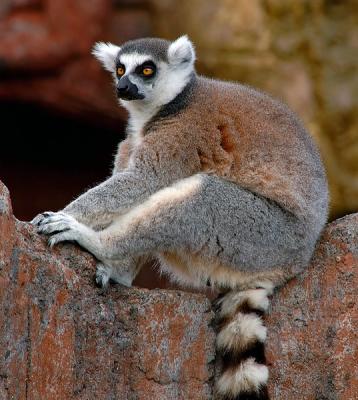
(148, 71)
(136, 76)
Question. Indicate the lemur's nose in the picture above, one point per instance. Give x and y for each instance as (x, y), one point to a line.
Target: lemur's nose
(127, 90)
(123, 85)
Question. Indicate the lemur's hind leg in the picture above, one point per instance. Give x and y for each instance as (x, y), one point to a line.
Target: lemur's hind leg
(202, 215)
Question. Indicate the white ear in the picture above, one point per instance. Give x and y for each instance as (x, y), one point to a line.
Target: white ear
(181, 51)
(106, 53)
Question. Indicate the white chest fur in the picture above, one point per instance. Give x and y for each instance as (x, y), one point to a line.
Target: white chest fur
(138, 117)
(135, 131)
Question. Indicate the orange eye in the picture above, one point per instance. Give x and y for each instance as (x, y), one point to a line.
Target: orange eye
(147, 71)
(120, 71)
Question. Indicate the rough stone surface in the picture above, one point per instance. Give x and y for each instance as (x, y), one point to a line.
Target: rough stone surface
(62, 338)
(312, 343)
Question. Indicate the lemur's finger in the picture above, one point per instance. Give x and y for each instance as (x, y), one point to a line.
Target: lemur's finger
(57, 218)
(60, 237)
(37, 219)
(40, 217)
(49, 222)
(49, 228)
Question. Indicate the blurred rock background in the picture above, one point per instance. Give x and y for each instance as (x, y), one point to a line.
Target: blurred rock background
(59, 119)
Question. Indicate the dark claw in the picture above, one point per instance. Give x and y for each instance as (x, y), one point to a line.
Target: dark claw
(98, 281)
(48, 220)
(47, 213)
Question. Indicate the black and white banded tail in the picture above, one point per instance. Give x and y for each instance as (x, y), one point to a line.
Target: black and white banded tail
(240, 343)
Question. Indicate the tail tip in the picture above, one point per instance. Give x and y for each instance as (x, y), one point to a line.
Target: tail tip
(249, 378)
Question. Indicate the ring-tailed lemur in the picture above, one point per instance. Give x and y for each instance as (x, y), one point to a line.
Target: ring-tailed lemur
(219, 181)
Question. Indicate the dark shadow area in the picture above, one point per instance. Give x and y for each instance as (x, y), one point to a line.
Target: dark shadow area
(47, 159)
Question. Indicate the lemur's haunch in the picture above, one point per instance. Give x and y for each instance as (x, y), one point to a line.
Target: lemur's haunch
(220, 182)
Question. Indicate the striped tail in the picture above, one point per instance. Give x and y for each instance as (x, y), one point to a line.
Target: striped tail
(240, 342)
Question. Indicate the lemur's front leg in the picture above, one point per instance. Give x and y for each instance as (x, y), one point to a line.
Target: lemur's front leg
(145, 229)
(64, 227)
(101, 204)
(153, 167)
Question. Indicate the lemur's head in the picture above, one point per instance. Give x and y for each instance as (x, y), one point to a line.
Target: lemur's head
(148, 71)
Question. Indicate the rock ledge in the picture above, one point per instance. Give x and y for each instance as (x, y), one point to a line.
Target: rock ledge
(62, 338)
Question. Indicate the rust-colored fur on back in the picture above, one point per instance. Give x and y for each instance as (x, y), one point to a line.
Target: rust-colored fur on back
(250, 138)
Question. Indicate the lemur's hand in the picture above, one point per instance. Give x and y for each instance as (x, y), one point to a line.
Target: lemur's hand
(61, 227)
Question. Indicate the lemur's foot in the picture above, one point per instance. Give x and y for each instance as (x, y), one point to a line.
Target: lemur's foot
(61, 226)
(121, 272)
(103, 275)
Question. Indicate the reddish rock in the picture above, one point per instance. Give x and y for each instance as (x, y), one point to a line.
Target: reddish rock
(7, 226)
(313, 328)
(47, 36)
(45, 54)
(63, 338)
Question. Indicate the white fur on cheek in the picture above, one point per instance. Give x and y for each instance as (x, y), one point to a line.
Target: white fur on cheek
(170, 82)
(106, 53)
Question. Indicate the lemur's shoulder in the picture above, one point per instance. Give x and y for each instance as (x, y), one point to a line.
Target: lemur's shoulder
(245, 136)
(205, 103)
(247, 106)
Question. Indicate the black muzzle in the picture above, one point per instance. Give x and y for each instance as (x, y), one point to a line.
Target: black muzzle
(127, 90)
